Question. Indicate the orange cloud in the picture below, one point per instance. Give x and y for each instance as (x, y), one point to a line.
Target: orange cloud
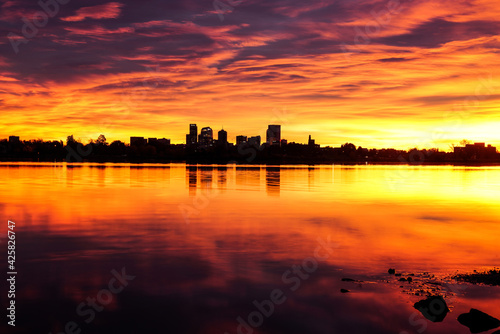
(110, 10)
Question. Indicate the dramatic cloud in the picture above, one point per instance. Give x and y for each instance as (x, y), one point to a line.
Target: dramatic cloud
(373, 72)
(107, 11)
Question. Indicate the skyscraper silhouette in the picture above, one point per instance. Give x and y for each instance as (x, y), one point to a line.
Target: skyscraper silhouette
(222, 138)
(273, 135)
(191, 137)
(206, 138)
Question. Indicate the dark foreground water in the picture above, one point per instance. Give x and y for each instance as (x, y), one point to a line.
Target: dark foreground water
(179, 249)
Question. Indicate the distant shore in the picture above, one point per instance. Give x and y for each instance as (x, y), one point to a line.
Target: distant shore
(245, 153)
(233, 163)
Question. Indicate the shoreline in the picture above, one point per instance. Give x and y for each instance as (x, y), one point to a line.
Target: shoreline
(233, 163)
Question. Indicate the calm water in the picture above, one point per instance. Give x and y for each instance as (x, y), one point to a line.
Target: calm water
(210, 246)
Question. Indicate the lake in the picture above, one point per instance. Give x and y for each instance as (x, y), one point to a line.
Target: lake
(121, 248)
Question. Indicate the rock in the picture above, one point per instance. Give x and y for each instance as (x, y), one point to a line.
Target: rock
(344, 291)
(409, 279)
(397, 274)
(391, 271)
(348, 280)
(402, 279)
(433, 308)
(478, 321)
(491, 277)
(434, 283)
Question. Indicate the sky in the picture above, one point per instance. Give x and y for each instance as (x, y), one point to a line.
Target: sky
(379, 74)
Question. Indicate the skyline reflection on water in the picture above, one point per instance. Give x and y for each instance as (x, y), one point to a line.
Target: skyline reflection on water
(205, 242)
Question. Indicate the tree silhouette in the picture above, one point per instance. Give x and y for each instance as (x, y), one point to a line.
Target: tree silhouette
(464, 142)
(70, 140)
(101, 140)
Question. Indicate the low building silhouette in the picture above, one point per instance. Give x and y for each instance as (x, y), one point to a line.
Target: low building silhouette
(164, 141)
(14, 139)
(254, 141)
(476, 151)
(137, 141)
(241, 140)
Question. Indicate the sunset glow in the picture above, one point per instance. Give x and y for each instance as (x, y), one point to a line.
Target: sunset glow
(375, 73)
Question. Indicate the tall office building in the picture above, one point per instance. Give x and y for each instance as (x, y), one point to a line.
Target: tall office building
(193, 130)
(311, 141)
(273, 135)
(206, 137)
(191, 137)
(222, 138)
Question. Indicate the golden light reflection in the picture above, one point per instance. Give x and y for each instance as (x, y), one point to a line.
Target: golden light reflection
(378, 212)
(185, 228)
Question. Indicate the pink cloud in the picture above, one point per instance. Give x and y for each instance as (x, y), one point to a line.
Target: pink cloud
(107, 11)
(98, 32)
(11, 12)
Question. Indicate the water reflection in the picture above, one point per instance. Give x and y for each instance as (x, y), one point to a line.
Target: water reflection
(310, 177)
(221, 177)
(206, 175)
(192, 178)
(248, 235)
(273, 179)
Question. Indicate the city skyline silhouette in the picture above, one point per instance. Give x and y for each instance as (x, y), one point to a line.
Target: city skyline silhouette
(202, 147)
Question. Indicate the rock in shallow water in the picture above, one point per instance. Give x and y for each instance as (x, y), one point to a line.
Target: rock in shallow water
(478, 321)
(433, 308)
